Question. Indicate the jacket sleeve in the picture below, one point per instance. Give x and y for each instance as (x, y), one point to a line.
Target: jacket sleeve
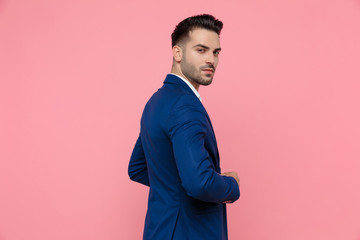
(188, 130)
(137, 169)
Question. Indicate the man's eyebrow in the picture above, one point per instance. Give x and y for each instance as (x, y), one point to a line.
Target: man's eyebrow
(200, 45)
(206, 47)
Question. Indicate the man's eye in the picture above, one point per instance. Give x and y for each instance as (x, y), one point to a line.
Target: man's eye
(216, 53)
(201, 50)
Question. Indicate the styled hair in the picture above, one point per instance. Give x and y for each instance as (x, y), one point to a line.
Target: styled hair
(205, 21)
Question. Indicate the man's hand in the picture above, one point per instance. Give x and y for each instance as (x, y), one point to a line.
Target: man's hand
(232, 174)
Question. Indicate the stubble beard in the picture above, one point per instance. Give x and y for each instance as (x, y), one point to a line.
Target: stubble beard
(194, 74)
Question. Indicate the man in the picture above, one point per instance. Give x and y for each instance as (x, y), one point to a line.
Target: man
(176, 154)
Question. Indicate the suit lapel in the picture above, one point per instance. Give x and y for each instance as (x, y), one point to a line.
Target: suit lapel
(170, 78)
(217, 164)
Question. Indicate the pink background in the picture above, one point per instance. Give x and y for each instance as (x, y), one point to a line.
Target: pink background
(75, 76)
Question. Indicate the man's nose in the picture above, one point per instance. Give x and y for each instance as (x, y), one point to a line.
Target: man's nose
(210, 58)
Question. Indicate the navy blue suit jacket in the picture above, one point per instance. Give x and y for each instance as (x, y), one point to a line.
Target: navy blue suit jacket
(176, 155)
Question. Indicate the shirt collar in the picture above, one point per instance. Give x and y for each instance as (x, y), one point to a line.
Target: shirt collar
(190, 85)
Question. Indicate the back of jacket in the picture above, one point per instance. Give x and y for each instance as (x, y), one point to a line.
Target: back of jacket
(176, 155)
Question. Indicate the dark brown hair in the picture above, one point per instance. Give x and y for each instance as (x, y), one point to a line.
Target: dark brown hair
(205, 21)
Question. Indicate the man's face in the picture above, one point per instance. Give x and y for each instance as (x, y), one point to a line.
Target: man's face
(200, 56)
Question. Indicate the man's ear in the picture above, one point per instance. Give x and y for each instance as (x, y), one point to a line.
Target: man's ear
(177, 53)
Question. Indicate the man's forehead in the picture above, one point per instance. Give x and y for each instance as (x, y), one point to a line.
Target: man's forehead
(200, 36)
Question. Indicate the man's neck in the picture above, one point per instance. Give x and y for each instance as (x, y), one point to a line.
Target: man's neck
(175, 71)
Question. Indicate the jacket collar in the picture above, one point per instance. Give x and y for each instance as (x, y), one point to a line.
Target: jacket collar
(173, 79)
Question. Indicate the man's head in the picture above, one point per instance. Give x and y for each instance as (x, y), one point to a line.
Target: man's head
(196, 45)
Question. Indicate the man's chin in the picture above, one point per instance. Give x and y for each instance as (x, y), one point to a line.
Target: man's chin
(203, 81)
(206, 83)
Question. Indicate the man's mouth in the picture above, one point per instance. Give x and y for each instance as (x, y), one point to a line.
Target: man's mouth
(208, 70)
